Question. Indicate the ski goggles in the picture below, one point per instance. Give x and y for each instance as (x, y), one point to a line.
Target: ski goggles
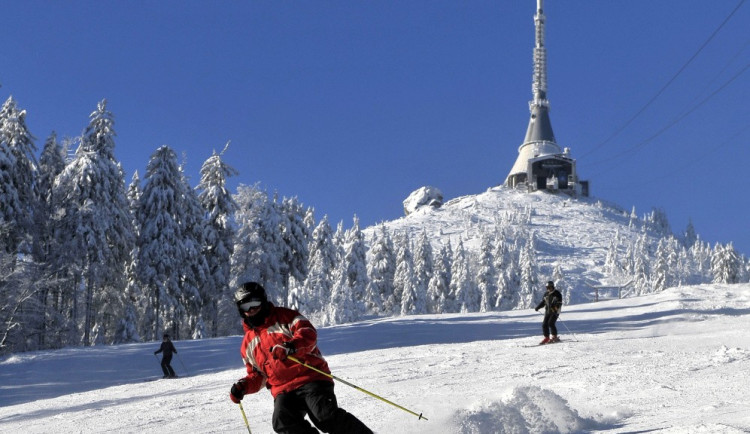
(249, 305)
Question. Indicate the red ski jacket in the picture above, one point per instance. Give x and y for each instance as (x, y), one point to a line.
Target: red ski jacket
(281, 376)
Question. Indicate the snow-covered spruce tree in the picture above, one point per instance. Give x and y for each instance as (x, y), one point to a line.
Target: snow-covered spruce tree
(503, 267)
(689, 236)
(725, 264)
(323, 258)
(17, 166)
(438, 288)
(168, 246)
(127, 328)
(296, 236)
(196, 268)
(611, 262)
(355, 261)
(661, 266)
(258, 242)
(340, 308)
(424, 266)
(561, 284)
(381, 268)
(531, 291)
(641, 272)
(487, 276)
(404, 296)
(51, 163)
(350, 279)
(465, 294)
(93, 231)
(218, 205)
(658, 221)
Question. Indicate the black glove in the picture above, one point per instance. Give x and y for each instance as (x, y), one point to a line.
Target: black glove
(237, 392)
(537, 309)
(280, 351)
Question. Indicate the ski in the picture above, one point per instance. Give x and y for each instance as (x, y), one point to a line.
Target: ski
(544, 344)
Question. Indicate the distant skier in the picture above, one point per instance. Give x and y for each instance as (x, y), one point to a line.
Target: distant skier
(552, 303)
(271, 334)
(167, 347)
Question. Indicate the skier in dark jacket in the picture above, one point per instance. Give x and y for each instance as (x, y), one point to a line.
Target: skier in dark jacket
(167, 347)
(271, 334)
(552, 303)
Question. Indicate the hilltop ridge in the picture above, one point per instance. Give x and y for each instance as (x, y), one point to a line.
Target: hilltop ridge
(574, 233)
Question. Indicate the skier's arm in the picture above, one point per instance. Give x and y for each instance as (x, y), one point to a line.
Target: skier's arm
(557, 303)
(305, 337)
(253, 381)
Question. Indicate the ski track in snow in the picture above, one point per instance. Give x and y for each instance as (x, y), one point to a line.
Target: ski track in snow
(672, 362)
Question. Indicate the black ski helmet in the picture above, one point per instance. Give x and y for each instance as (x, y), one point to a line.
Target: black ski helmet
(551, 284)
(249, 291)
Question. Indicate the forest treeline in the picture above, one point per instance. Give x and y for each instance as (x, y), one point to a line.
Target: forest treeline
(87, 258)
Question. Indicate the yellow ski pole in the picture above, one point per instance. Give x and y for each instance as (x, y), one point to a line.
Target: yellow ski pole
(294, 359)
(247, 424)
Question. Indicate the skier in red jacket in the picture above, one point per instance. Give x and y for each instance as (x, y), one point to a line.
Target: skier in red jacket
(271, 334)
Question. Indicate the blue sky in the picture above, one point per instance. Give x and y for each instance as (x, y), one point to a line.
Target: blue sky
(352, 105)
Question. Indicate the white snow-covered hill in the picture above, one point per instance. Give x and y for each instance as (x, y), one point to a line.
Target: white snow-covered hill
(671, 362)
(572, 233)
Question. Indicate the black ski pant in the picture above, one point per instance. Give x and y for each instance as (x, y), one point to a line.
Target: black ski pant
(548, 325)
(166, 367)
(318, 402)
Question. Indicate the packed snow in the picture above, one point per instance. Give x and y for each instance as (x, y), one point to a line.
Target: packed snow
(674, 361)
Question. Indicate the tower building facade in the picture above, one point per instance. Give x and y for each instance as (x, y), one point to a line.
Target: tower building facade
(541, 163)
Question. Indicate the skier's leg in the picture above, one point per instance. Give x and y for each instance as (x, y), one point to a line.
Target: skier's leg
(552, 326)
(289, 415)
(546, 325)
(325, 413)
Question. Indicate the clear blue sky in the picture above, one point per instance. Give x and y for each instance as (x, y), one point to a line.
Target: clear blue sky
(352, 105)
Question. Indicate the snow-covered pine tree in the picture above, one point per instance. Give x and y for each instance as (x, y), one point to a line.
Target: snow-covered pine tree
(531, 291)
(218, 205)
(355, 260)
(404, 296)
(51, 163)
(487, 277)
(195, 266)
(660, 269)
(424, 266)
(725, 264)
(561, 284)
(438, 289)
(17, 176)
(135, 302)
(341, 307)
(258, 242)
(641, 272)
(465, 295)
(165, 217)
(689, 237)
(503, 268)
(611, 262)
(381, 269)
(94, 235)
(323, 258)
(296, 236)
